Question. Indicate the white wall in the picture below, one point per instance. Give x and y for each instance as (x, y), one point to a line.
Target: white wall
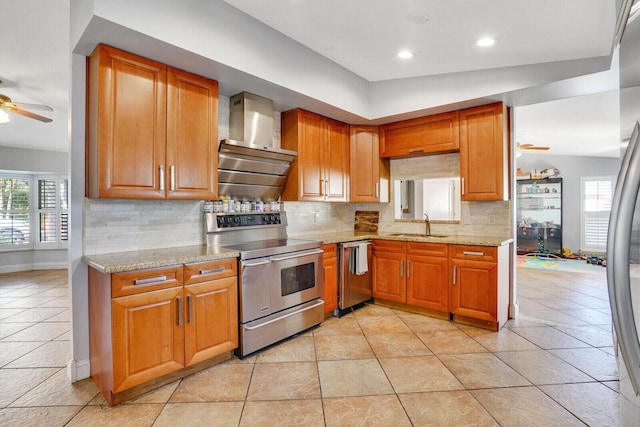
(571, 168)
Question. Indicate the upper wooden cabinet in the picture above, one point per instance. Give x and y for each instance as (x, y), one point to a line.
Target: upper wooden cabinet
(369, 176)
(417, 137)
(484, 161)
(153, 129)
(320, 172)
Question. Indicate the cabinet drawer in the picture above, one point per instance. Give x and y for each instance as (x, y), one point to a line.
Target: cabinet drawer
(389, 246)
(204, 271)
(150, 279)
(330, 251)
(427, 249)
(474, 253)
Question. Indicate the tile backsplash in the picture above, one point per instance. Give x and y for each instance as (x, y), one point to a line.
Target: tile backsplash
(118, 225)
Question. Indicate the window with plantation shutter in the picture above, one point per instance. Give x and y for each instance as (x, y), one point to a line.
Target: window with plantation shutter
(15, 212)
(597, 194)
(33, 212)
(52, 224)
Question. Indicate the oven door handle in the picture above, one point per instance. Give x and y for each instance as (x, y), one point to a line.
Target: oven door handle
(255, 263)
(297, 255)
(277, 319)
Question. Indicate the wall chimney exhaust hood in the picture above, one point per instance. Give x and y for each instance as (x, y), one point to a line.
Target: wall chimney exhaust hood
(249, 165)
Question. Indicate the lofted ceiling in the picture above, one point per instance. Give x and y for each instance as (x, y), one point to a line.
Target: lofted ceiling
(363, 37)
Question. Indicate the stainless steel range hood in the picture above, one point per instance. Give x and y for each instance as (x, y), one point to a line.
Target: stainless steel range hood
(249, 165)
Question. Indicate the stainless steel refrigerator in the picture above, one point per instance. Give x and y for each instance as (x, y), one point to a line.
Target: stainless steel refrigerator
(623, 277)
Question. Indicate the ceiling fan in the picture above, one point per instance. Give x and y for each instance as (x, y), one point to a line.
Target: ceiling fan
(8, 106)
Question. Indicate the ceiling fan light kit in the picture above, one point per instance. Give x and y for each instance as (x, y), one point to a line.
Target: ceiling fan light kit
(4, 117)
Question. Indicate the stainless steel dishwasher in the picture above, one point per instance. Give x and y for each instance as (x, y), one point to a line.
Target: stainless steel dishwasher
(354, 288)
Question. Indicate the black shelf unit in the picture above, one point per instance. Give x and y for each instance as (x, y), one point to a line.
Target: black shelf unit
(539, 216)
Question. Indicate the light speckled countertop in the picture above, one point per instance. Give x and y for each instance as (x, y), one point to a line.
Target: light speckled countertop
(349, 236)
(119, 262)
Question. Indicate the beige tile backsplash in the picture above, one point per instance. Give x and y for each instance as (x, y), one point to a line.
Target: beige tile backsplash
(118, 225)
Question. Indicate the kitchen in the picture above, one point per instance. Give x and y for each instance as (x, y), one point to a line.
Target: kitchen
(493, 217)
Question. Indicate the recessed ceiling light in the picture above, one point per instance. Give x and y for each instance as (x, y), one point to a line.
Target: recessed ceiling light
(486, 41)
(405, 54)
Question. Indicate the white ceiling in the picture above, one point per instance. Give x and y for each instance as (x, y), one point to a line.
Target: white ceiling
(363, 37)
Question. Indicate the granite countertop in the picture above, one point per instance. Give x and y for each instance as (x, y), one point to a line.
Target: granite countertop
(350, 236)
(119, 262)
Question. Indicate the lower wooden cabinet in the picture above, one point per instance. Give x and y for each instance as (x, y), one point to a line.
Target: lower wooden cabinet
(470, 284)
(414, 273)
(148, 324)
(480, 285)
(330, 264)
(388, 269)
(427, 275)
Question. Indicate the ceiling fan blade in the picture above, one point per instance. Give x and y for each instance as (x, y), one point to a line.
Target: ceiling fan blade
(28, 114)
(535, 147)
(28, 106)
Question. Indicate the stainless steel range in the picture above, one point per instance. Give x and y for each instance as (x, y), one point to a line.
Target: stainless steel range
(281, 280)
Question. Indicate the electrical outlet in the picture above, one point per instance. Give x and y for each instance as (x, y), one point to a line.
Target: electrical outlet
(466, 219)
(492, 219)
(316, 217)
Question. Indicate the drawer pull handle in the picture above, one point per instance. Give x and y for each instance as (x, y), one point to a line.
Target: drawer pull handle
(455, 271)
(401, 268)
(150, 280)
(416, 150)
(172, 169)
(190, 305)
(179, 311)
(473, 253)
(212, 270)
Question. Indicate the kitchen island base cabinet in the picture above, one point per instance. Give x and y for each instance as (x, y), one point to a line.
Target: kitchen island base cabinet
(146, 328)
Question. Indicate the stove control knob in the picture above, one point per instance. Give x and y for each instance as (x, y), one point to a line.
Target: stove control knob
(236, 220)
(265, 219)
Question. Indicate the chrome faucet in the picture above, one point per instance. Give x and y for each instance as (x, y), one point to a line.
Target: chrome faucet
(428, 225)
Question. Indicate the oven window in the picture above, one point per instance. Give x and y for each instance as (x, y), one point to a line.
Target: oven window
(297, 278)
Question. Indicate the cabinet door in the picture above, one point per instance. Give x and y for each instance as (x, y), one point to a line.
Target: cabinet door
(330, 264)
(148, 336)
(427, 282)
(474, 289)
(484, 163)
(310, 156)
(368, 175)
(127, 125)
(389, 276)
(424, 135)
(211, 319)
(336, 162)
(192, 136)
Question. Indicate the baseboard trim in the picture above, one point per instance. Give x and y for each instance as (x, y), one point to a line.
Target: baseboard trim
(39, 266)
(78, 369)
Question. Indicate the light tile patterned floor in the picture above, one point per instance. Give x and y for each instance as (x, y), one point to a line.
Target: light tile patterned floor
(553, 365)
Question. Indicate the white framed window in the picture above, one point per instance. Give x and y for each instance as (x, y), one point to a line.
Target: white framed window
(15, 212)
(33, 212)
(52, 219)
(596, 197)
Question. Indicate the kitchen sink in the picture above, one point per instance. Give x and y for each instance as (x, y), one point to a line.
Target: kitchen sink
(418, 235)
